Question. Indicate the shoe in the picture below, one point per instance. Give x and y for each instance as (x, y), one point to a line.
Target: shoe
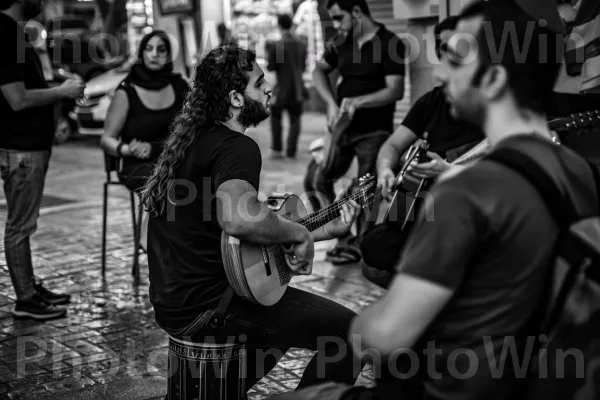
(51, 297)
(37, 308)
(343, 254)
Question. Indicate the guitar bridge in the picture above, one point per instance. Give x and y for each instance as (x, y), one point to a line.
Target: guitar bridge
(265, 255)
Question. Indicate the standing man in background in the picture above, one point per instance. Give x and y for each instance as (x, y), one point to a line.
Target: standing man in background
(287, 57)
(370, 60)
(225, 35)
(27, 114)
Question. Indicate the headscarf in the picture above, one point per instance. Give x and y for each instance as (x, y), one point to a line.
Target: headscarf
(141, 76)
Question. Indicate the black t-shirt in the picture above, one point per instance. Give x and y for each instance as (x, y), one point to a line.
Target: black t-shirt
(363, 71)
(33, 128)
(149, 125)
(431, 114)
(490, 238)
(187, 275)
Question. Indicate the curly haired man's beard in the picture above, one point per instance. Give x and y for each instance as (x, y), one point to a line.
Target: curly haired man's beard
(252, 113)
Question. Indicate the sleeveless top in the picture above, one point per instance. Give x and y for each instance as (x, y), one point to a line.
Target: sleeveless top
(149, 125)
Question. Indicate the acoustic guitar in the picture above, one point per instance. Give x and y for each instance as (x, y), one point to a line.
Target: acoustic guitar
(408, 189)
(261, 273)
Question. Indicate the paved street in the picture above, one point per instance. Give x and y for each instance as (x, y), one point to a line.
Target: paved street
(109, 346)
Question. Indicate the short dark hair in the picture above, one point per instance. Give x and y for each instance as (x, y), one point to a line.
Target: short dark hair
(532, 64)
(284, 21)
(447, 24)
(5, 4)
(348, 5)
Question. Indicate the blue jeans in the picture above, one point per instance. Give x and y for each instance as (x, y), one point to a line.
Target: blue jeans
(301, 320)
(23, 174)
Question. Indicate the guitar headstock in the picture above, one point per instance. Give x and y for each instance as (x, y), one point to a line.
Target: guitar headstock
(365, 195)
(366, 182)
(576, 124)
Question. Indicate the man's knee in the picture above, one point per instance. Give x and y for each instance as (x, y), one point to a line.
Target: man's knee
(22, 222)
(15, 233)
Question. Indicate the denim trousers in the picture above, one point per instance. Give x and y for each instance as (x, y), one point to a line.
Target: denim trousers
(299, 320)
(23, 174)
(365, 147)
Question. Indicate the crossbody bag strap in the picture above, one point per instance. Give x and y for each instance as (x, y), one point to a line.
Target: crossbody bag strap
(558, 204)
(563, 212)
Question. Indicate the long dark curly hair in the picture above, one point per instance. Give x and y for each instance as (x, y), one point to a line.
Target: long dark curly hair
(222, 70)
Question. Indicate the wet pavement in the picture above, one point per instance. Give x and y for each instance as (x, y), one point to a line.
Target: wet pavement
(109, 347)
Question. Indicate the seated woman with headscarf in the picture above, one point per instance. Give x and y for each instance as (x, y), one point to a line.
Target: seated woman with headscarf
(142, 109)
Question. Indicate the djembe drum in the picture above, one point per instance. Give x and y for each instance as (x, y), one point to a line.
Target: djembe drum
(206, 371)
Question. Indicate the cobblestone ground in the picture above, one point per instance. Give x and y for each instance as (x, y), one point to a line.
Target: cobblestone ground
(109, 346)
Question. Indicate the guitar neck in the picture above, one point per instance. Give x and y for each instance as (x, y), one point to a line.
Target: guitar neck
(322, 217)
(476, 152)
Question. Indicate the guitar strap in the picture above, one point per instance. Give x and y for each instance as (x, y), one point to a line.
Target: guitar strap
(218, 318)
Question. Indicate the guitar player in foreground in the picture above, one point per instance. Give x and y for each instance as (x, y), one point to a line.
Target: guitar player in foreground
(469, 283)
(206, 182)
(448, 138)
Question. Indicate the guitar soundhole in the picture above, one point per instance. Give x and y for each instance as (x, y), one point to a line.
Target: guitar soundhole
(282, 268)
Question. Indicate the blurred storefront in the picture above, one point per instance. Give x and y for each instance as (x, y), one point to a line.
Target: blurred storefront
(419, 19)
(181, 20)
(583, 28)
(125, 22)
(254, 22)
(140, 20)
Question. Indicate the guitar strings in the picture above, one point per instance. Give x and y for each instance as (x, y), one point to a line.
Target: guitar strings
(329, 211)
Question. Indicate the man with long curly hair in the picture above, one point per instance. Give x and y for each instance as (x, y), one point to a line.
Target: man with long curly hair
(208, 159)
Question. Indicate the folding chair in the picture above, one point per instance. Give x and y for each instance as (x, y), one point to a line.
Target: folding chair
(111, 165)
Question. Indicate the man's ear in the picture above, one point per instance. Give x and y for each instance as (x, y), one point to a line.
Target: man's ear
(356, 12)
(494, 82)
(236, 99)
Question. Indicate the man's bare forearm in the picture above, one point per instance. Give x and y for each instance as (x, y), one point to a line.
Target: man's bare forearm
(266, 227)
(322, 85)
(381, 97)
(387, 157)
(32, 98)
(321, 234)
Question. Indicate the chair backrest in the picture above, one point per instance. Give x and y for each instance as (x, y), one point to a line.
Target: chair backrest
(111, 163)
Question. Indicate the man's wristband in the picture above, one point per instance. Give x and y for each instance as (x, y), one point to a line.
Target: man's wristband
(119, 149)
